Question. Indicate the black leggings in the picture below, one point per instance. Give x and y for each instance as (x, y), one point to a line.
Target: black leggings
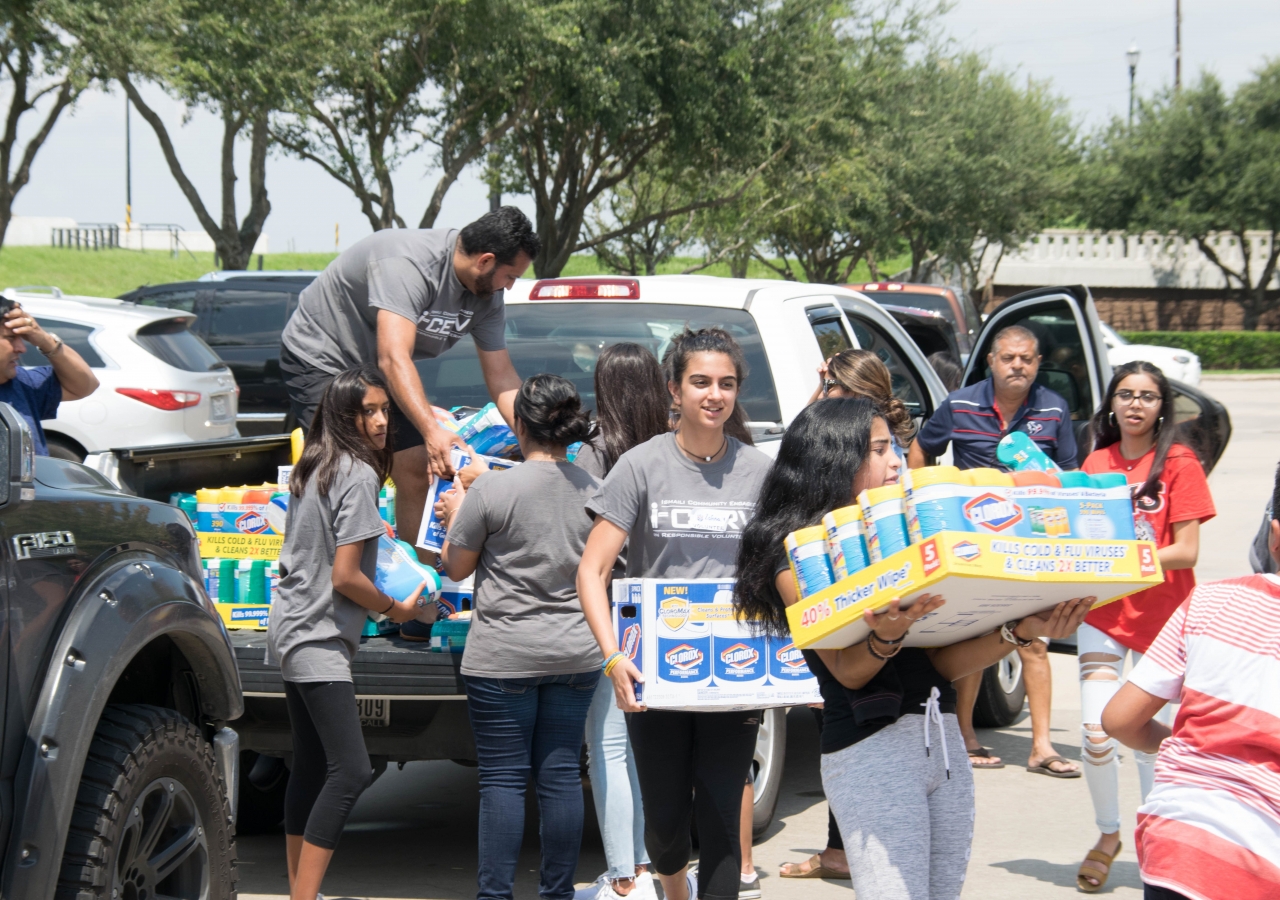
(691, 764)
(330, 764)
(834, 841)
(1151, 892)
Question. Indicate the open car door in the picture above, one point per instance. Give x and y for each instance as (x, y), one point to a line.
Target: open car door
(1074, 357)
(1075, 366)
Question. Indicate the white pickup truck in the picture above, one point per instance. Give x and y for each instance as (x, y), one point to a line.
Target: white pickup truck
(412, 701)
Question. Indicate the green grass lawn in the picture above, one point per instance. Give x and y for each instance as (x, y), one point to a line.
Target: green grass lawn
(109, 273)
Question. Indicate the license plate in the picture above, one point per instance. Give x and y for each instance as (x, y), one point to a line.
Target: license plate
(221, 406)
(374, 712)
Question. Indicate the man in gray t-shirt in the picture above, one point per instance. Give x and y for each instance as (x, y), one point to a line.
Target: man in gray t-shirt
(401, 295)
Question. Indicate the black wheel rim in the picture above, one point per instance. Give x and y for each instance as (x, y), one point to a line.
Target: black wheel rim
(163, 850)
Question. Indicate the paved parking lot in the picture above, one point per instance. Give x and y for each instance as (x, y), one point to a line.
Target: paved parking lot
(413, 833)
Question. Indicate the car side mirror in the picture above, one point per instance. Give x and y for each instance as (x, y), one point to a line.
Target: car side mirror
(17, 457)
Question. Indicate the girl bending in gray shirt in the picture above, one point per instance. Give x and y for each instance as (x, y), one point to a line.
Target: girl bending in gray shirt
(530, 665)
(327, 566)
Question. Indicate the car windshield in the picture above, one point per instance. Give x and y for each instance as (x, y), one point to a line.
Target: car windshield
(169, 341)
(566, 339)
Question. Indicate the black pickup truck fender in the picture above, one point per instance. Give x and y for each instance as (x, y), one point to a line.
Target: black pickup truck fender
(134, 599)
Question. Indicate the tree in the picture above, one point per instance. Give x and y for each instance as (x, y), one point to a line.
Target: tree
(242, 60)
(640, 251)
(1196, 165)
(674, 83)
(971, 163)
(401, 75)
(46, 70)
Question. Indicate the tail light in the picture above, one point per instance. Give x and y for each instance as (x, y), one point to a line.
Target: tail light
(586, 289)
(166, 400)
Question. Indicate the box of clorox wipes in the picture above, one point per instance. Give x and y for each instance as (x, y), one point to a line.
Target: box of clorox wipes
(695, 655)
(986, 580)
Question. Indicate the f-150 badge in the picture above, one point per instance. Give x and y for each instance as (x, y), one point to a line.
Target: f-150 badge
(43, 544)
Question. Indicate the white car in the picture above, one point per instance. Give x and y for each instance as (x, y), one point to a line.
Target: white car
(1180, 365)
(158, 382)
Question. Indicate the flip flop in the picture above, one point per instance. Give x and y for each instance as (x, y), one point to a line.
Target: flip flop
(1082, 883)
(984, 753)
(1043, 768)
(816, 870)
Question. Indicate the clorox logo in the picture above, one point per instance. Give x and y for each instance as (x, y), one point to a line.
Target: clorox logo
(251, 523)
(967, 550)
(740, 656)
(674, 613)
(684, 657)
(631, 641)
(790, 656)
(993, 512)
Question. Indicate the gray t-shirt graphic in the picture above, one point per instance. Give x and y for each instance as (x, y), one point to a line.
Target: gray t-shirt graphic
(314, 630)
(684, 520)
(530, 528)
(406, 271)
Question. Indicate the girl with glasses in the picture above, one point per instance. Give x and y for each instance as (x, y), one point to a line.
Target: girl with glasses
(1134, 434)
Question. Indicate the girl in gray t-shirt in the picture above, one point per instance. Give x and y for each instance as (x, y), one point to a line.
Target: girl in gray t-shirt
(531, 666)
(679, 503)
(326, 590)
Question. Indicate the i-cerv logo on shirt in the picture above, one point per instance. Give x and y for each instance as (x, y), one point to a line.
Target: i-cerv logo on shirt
(993, 512)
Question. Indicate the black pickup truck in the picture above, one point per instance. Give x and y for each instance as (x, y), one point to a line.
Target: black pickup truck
(117, 769)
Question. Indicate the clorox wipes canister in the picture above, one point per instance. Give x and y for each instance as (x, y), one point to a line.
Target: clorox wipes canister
(885, 512)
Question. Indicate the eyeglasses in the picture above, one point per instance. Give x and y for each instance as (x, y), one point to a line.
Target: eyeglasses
(1145, 398)
(828, 384)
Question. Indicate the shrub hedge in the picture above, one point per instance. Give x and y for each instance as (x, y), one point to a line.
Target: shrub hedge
(1219, 349)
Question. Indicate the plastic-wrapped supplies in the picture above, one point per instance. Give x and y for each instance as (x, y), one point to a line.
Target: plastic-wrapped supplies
(431, 532)
(487, 433)
(399, 574)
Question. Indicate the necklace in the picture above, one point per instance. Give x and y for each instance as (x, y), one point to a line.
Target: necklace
(724, 443)
(550, 457)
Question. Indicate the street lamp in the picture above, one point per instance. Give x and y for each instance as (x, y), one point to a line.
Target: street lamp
(1132, 56)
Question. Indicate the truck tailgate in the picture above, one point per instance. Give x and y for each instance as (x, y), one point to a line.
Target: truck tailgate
(385, 666)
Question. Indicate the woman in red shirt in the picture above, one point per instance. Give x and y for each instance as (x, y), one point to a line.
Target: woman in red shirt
(1134, 434)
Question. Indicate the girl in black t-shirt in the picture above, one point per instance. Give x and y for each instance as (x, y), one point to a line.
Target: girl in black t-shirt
(889, 710)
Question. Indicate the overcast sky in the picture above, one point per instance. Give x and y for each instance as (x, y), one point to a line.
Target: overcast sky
(1078, 46)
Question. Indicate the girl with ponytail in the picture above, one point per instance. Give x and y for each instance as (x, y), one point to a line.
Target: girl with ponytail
(531, 665)
(860, 375)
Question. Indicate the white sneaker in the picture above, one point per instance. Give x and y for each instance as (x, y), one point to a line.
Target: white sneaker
(749, 890)
(691, 879)
(602, 889)
(645, 887)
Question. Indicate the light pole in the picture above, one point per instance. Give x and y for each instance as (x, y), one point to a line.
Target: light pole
(128, 169)
(1132, 56)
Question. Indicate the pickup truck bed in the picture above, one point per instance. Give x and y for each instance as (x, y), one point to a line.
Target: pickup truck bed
(423, 691)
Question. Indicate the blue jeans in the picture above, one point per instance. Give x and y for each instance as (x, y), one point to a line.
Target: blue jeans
(524, 726)
(615, 786)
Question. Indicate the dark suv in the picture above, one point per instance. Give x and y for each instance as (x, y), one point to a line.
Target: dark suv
(118, 775)
(241, 319)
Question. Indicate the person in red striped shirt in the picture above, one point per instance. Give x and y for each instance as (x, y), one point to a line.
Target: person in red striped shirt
(1210, 828)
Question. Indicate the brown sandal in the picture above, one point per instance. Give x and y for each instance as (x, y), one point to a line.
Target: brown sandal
(816, 870)
(1082, 883)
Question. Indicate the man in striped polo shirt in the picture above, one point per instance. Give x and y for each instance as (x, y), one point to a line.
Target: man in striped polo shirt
(973, 420)
(1210, 829)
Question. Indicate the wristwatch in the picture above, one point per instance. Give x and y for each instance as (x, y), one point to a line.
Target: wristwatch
(1007, 633)
(57, 345)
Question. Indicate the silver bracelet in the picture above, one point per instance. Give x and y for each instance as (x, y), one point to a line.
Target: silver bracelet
(1006, 633)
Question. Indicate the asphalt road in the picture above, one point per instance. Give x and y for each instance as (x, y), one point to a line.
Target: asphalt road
(413, 834)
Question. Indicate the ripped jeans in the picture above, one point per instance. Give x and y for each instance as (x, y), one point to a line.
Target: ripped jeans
(1101, 674)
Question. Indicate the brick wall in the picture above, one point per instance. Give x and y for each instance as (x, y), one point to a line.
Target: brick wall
(1160, 309)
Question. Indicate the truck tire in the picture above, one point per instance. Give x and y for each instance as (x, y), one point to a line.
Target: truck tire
(768, 763)
(263, 780)
(151, 817)
(1000, 698)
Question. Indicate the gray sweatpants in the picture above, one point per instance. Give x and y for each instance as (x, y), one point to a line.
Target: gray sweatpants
(907, 828)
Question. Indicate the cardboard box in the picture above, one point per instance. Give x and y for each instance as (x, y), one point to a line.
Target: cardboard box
(682, 634)
(231, 545)
(986, 580)
(250, 617)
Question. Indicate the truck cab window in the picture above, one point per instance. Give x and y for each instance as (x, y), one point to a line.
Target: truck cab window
(907, 386)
